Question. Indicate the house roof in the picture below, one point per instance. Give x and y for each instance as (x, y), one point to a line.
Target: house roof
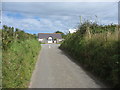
(46, 35)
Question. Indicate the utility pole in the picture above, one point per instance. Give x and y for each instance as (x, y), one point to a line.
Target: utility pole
(96, 20)
(80, 20)
(1, 14)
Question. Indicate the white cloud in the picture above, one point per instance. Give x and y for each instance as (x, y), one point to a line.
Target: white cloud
(34, 25)
(49, 17)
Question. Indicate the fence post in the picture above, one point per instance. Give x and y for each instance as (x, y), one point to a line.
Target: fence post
(89, 33)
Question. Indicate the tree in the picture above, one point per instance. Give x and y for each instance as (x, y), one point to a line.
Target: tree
(59, 32)
(62, 34)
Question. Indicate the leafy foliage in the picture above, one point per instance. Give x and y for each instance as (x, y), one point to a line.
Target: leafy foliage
(62, 34)
(20, 51)
(96, 48)
(9, 35)
(0, 58)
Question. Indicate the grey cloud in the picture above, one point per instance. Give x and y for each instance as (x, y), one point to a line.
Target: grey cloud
(65, 9)
(58, 16)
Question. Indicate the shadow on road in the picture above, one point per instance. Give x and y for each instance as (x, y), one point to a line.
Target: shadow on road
(97, 80)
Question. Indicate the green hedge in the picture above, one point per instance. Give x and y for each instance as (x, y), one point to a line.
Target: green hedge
(97, 55)
(0, 58)
(19, 54)
(18, 63)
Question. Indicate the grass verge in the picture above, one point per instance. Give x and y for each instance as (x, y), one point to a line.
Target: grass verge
(18, 63)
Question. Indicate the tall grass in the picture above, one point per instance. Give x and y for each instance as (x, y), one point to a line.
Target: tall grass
(97, 52)
(18, 63)
(0, 58)
(19, 55)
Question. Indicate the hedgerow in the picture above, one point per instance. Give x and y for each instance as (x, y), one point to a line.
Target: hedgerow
(0, 58)
(96, 48)
(20, 52)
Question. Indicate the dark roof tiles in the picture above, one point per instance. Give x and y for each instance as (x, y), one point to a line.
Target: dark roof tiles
(46, 35)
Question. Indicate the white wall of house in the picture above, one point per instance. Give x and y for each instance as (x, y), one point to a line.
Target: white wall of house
(40, 40)
(50, 40)
(60, 40)
(55, 41)
(72, 30)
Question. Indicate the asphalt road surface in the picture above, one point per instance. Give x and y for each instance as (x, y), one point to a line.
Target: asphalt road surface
(54, 69)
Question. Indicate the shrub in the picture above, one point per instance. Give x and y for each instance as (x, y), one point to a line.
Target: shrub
(96, 51)
(20, 53)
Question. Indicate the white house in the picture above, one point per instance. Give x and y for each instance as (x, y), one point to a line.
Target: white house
(72, 30)
(49, 37)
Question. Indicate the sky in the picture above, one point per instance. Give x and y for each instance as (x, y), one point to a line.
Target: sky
(48, 17)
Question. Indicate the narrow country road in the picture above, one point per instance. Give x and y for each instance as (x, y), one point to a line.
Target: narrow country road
(55, 70)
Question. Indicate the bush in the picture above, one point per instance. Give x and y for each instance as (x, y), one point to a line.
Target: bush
(19, 58)
(0, 58)
(97, 52)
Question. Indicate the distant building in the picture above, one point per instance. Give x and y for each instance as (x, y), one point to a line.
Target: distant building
(49, 37)
(72, 30)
